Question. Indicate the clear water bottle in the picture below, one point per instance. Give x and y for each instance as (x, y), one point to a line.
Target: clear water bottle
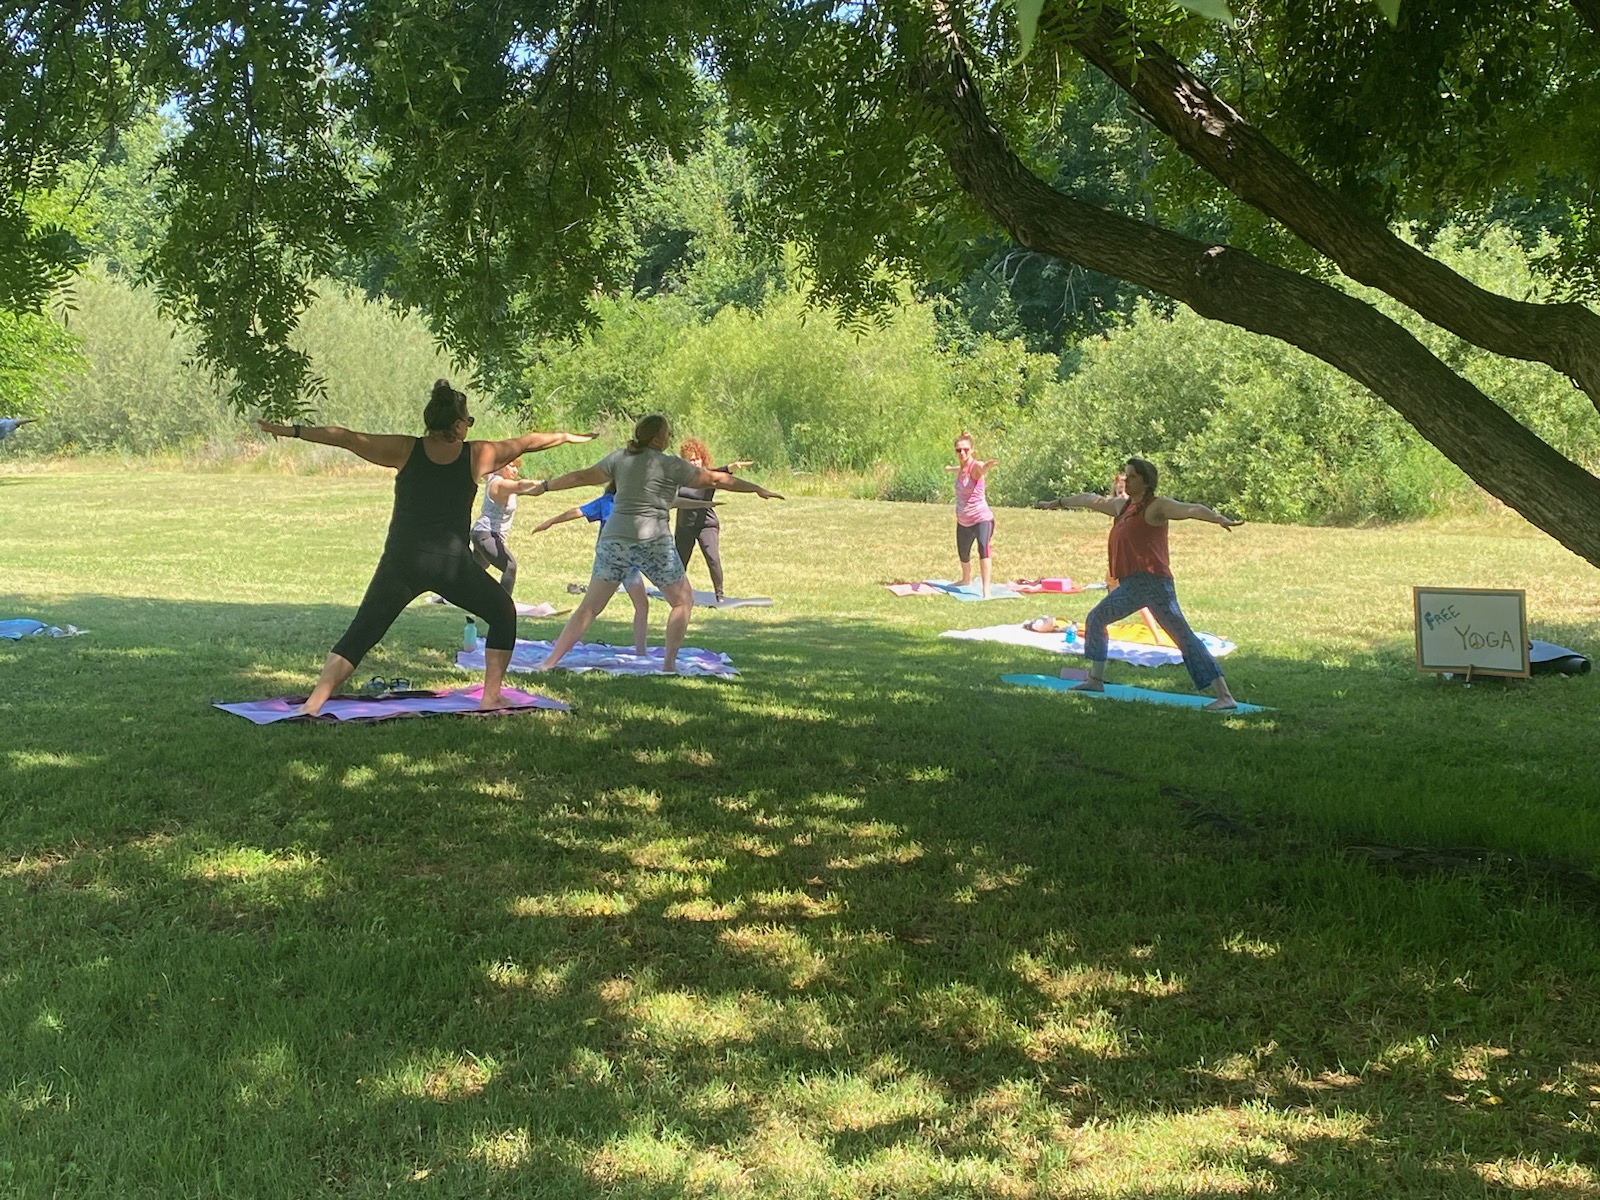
(469, 636)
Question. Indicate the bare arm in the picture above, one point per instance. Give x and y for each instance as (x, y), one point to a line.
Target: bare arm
(981, 468)
(730, 483)
(583, 477)
(500, 490)
(384, 449)
(1108, 506)
(491, 456)
(682, 503)
(1176, 510)
(572, 514)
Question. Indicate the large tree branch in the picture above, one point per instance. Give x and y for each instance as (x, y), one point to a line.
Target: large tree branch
(1207, 130)
(1230, 285)
(1589, 10)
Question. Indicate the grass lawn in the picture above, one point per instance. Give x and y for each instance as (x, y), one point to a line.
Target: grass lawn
(863, 922)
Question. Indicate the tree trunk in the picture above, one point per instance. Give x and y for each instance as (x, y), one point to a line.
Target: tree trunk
(1230, 285)
(1565, 336)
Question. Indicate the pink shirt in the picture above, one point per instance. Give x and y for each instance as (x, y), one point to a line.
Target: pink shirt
(971, 505)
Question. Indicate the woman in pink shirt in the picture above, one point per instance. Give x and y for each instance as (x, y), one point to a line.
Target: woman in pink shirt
(974, 520)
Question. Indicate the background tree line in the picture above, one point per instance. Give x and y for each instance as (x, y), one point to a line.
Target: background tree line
(1059, 372)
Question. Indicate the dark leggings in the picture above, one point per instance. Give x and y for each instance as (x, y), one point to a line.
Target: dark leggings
(687, 536)
(489, 549)
(401, 579)
(967, 534)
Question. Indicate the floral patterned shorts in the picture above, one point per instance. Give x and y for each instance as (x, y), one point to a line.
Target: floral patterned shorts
(658, 558)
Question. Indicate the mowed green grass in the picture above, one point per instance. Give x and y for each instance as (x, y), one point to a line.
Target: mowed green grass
(863, 922)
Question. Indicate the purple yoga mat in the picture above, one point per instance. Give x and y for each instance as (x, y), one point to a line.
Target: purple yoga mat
(612, 660)
(462, 702)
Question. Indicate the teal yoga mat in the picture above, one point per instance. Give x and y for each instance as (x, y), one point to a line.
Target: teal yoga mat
(1117, 691)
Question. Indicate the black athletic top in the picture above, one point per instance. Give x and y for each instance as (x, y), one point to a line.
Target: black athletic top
(698, 518)
(432, 504)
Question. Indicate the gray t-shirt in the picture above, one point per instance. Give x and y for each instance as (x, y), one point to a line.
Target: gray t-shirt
(647, 484)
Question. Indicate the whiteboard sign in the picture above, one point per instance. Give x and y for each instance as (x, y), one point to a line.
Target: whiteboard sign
(1480, 631)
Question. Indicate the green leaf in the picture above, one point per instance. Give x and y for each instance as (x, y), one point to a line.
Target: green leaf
(1217, 10)
(1390, 10)
(1027, 22)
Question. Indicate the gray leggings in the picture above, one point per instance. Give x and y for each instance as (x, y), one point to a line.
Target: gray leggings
(489, 550)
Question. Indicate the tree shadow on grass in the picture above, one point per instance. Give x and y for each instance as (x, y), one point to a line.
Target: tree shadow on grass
(864, 921)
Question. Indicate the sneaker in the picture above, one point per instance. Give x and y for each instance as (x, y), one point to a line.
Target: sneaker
(576, 589)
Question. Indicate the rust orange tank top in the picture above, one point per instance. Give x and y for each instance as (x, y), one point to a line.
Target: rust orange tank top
(1137, 546)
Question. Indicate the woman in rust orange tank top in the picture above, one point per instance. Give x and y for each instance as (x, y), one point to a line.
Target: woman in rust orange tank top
(1138, 554)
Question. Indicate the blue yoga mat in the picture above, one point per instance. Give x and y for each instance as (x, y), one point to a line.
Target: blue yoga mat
(19, 627)
(1117, 691)
(973, 591)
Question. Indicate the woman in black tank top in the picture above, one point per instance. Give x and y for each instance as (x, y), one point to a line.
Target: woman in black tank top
(428, 546)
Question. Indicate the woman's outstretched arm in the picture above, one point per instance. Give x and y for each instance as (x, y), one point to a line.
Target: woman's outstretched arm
(1108, 505)
(1176, 510)
(583, 477)
(491, 456)
(730, 483)
(572, 514)
(384, 449)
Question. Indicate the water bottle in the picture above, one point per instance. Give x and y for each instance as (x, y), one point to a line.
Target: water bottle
(469, 636)
(1071, 637)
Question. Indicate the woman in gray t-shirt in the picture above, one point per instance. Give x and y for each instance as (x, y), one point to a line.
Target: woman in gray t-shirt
(638, 533)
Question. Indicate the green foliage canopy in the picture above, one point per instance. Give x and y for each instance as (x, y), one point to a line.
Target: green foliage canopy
(484, 155)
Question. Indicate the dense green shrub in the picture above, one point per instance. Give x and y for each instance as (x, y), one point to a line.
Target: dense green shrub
(137, 394)
(1233, 420)
(36, 353)
(790, 387)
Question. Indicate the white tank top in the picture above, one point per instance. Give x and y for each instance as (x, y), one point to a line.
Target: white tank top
(495, 518)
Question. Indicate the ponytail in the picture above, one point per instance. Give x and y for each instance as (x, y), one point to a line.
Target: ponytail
(646, 431)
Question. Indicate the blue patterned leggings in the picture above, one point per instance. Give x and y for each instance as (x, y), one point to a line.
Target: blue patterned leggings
(1156, 593)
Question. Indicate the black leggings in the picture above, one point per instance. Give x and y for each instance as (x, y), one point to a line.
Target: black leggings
(967, 534)
(489, 550)
(401, 579)
(688, 536)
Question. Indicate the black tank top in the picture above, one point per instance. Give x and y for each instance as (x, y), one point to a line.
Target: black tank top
(432, 503)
